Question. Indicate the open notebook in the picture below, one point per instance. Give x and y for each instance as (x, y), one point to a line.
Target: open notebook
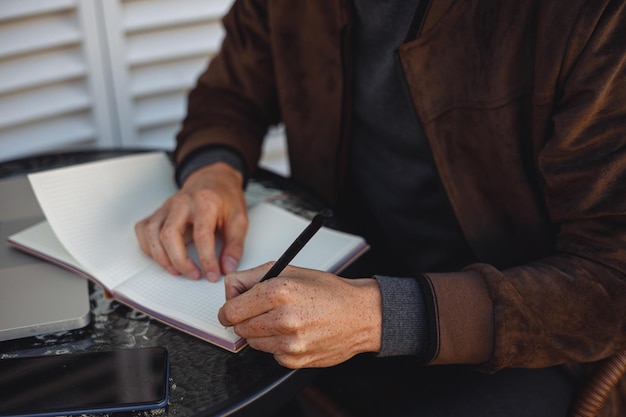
(90, 213)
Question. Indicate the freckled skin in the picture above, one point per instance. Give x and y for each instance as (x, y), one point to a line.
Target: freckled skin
(306, 318)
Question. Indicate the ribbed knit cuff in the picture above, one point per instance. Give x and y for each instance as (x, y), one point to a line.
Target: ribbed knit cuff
(208, 155)
(404, 323)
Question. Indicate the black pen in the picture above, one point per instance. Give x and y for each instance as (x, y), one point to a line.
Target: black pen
(318, 221)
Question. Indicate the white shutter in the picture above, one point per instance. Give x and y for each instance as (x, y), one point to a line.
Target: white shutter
(158, 48)
(51, 81)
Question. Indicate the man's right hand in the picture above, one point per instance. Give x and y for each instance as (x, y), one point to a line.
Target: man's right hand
(211, 201)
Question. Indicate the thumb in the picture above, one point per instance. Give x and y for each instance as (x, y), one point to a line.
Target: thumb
(239, 282)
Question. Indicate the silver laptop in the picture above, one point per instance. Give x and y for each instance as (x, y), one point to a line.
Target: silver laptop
(36, 297)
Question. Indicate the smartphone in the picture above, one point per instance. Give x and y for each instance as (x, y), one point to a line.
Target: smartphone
(85, 382)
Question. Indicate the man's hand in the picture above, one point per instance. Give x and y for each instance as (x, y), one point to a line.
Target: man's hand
(211, 201)
(305, 318)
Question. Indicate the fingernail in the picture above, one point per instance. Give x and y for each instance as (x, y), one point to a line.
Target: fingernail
(173, 270)
(230, 264)
(195, 274)
(212, 276)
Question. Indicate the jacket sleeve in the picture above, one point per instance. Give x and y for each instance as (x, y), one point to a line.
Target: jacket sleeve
(234, 101)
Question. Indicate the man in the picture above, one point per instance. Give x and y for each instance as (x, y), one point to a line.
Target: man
(480, 148)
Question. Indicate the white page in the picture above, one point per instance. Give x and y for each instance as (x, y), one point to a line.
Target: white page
(193, 302)
(41, 238)
(92, 208)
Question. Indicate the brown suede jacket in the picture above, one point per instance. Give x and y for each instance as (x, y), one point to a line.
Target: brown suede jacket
(524, 108)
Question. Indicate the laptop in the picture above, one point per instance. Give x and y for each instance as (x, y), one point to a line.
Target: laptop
(36, 297)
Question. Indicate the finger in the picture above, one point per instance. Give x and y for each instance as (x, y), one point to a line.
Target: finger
(247, 305)
(266, 344)
(234, 285)
(240, 282)
(204, 231)
(140, 233)
(293, 361)
(257, 327)
(286, 351)
(147, 231)
(172, 238)
(235, 311)
(234, 235)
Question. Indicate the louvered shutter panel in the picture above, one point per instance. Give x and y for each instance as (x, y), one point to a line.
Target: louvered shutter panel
(52, 92)
(158, 48)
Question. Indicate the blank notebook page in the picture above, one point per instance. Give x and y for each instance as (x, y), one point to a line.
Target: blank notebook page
(92, 209)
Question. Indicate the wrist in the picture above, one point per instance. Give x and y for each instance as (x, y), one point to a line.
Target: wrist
(207, 156)
(214, 171)
(369, 319)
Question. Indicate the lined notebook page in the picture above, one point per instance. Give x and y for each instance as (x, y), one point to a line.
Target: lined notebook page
(194, 303)
(92, 209)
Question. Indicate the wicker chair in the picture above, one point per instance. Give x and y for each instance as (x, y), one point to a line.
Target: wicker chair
(595, 392)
